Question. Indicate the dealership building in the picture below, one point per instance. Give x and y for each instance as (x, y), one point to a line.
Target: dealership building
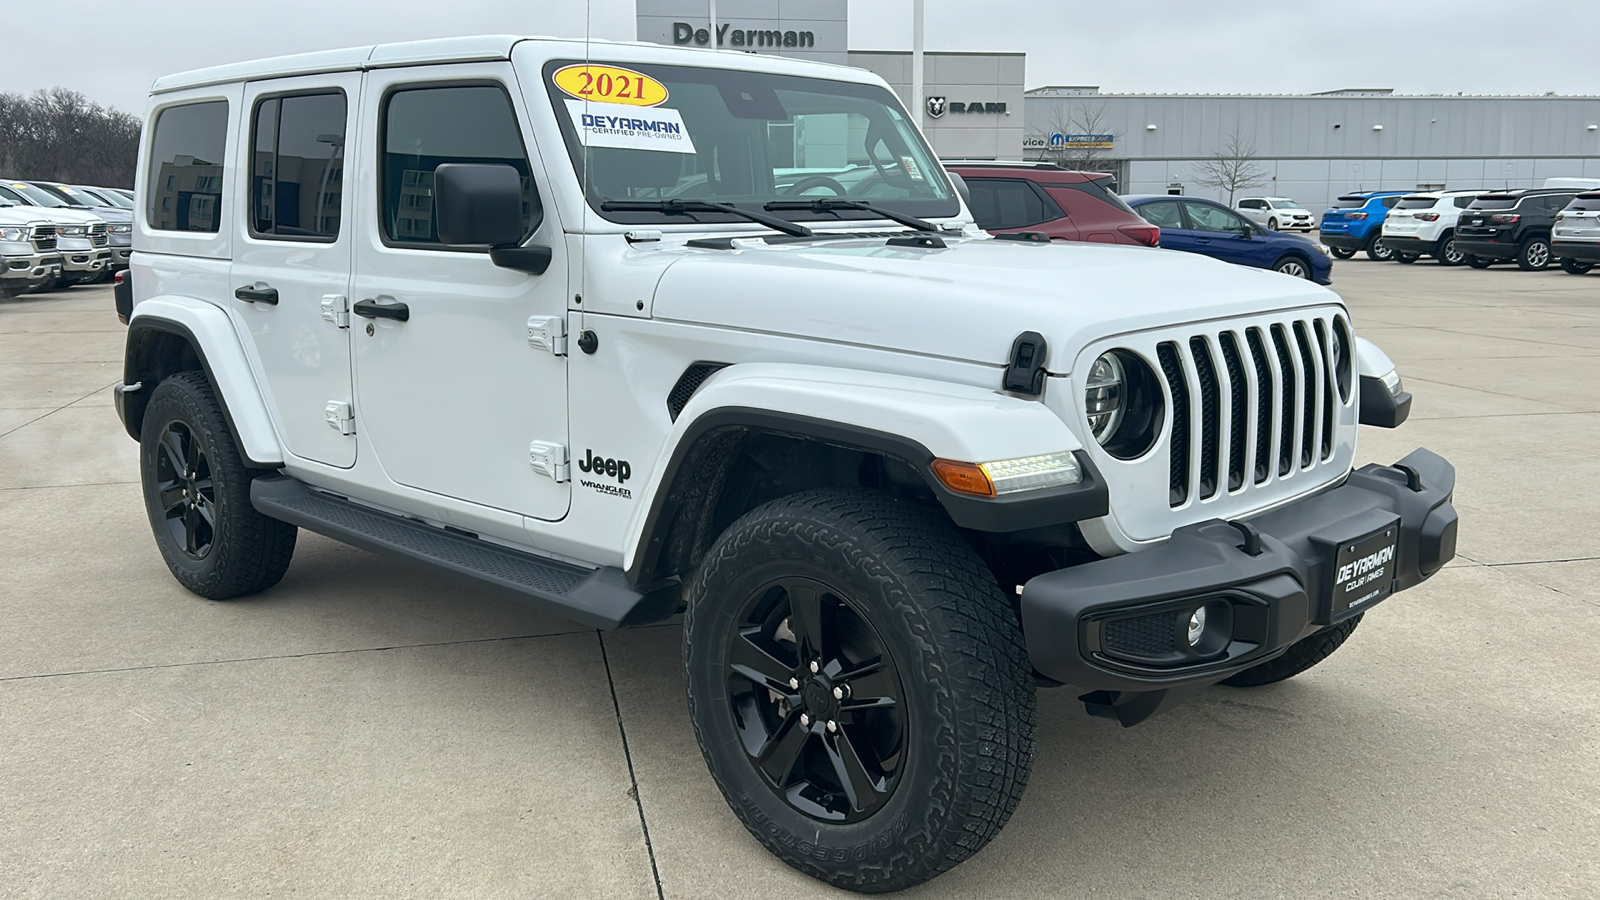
(1311, 147)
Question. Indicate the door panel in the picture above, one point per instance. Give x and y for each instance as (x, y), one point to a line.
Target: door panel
(451, 398)
(293, 251)
(1222, 234)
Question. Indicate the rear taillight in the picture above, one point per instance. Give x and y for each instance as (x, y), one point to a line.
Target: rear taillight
(1506, 218)
(1356, 215)
(117, 279)
(1428, 217)
(1148, 235)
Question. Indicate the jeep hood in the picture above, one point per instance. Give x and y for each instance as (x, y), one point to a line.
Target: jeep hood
(968, 301)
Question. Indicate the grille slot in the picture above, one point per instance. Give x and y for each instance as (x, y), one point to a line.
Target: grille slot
(1172, 369)
(1238, 410)
(1244, 396)
(97, 235)
(44, 237)
(688, 383)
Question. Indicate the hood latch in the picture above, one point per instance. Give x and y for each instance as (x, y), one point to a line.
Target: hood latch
(1025, 372)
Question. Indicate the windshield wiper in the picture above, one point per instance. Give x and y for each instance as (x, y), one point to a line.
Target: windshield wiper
(834, 204)
(682, 207)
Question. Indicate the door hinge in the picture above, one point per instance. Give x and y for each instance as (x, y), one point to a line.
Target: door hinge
(549, 333)
(336, 309)
(550, 458)
(341, 417)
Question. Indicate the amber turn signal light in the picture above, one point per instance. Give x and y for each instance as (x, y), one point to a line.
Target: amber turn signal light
(963, 477)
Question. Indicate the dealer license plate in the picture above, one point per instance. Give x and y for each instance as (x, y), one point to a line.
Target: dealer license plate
(1363, 571)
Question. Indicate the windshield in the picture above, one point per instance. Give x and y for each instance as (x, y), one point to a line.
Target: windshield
(1285, 204)
(82, 198)
(38, 196)
(1348, 203)
(746, 138)
(1416, 203)
(112, 197)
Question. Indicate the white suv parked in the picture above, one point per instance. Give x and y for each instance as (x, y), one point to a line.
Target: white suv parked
(1424, 224)
(1575, 239)
(536, 315)
(1276, 213)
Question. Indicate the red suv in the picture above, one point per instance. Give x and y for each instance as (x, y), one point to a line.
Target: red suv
(1063, 204)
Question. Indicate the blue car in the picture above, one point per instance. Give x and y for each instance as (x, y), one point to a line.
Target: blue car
(1201, 226)
(1355, 222)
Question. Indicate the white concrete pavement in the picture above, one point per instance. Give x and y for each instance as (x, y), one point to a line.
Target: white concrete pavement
(363, 730)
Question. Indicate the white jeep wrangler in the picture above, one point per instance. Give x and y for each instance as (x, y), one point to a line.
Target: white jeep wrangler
(623, 331)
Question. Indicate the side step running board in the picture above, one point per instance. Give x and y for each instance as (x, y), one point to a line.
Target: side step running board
(600, 598)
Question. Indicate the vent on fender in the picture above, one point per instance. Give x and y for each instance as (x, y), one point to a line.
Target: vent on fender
(688, 383)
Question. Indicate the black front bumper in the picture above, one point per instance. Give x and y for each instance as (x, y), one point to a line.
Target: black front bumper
(1118, 625)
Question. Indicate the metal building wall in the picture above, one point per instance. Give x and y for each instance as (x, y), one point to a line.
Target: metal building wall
(1317, 147)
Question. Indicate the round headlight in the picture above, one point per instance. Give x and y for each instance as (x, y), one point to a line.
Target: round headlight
(1123, 404)
(1340, 339)
(1102, 397)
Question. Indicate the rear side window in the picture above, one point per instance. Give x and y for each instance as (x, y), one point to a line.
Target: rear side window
(297, 167)
(1463, 202)
(1100, 189)
(1389, 202)
(1162, 213)
(1556, 202)
(1003, 203)
(184, 185)
(424, 127)
(1416, 203)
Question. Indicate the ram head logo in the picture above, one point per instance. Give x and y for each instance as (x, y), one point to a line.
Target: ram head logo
(937, 106)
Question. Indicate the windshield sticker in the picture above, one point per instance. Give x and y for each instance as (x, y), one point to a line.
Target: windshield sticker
(610, 84)
(912, 169)
(629, 127)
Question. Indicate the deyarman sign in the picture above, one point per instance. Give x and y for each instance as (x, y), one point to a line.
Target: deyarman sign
(805, 29)
(728, 36)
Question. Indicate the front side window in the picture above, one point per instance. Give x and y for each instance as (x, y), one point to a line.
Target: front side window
(740, 137)
(1212, 218)
(424, 127)
(186, 153)
(1002, 203)
(1163, 214)
(297, 160)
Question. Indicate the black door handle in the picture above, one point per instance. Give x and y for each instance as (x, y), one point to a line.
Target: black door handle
(257, 293)
(382, 308)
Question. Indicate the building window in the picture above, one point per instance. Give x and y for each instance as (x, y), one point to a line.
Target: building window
(186, 155)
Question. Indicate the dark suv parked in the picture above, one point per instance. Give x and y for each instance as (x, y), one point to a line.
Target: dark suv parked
(1064, 204)
(1511, 225)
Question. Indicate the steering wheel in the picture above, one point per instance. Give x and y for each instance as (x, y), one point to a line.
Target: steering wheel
(816, 181)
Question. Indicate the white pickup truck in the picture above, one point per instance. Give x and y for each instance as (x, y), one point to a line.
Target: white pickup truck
(545, 317)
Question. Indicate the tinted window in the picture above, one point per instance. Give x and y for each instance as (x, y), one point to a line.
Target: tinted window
(1163, 213)
(1285, 204)
(1389, 202)
(998, 203)
(1464, 201)
(1252, 204)
(1099, 188)
(425, 127)
(1349, 203)
(1585, 203)
(1211, 218)
(1494, 201)
(1416, 203)
(185, 177)
(297, 166)
(1554, 202)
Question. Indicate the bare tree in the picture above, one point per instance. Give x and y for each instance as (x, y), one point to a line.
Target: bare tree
(1232, 168)
(59, 135)
(1079, 118)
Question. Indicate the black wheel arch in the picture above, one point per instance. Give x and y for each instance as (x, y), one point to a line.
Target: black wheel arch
(157, 349)
(732, 459)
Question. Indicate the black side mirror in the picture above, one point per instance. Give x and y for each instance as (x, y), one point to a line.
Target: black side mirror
(479, 205)
(961, 188)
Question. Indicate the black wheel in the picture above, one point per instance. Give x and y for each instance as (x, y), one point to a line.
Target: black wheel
(1407, 258)
(1379, 251)
(197, 495)
(1341, 252)
(1272, 224)
(859, 687)
(1478, 262)
(1301, 655)
(1449, 254)
(1534, 254)
(1292, 265)
(1575, 267)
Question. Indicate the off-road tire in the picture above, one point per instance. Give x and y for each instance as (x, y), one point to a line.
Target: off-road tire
(947, 627)
(1301, 655)
(1534, 254)
(1478, 262)
(1378, 251)
(1341, 252)
(248, 552)
(1575, 266)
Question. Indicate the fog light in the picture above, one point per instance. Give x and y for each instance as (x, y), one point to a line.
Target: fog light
(1197, 626)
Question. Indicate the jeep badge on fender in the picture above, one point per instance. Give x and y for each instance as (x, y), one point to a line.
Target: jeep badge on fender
(883, 526)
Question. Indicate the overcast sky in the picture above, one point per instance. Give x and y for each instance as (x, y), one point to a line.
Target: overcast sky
(112, 49)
